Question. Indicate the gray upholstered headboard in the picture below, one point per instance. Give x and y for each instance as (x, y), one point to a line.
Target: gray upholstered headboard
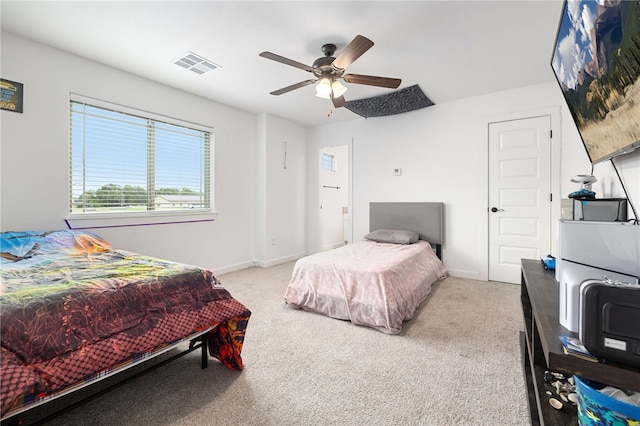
(427, 219)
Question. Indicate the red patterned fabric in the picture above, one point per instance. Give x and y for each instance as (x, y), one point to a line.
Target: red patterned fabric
(225, 341)
(74, 308)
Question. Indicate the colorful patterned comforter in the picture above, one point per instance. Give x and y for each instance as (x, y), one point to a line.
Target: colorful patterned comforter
(73, 307)
(373, 284)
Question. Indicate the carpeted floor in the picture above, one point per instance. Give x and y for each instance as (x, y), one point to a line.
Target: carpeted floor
(457, 362)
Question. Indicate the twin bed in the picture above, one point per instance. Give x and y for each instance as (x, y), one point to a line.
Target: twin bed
(75, 309)
(380, 281)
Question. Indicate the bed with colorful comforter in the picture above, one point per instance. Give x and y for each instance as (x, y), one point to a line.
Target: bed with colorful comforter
(73, 308)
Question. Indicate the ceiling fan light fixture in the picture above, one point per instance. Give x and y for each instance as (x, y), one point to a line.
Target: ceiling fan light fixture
(338, 89)
(323, 89)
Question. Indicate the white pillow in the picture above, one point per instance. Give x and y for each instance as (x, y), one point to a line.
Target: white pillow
(393, 236)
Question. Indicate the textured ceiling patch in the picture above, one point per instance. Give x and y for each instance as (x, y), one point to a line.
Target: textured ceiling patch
(398, 102)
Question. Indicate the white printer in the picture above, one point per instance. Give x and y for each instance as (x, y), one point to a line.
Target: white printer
(593, 250)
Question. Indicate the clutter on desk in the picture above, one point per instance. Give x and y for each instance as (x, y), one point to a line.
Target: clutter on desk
(548, 262)
(574, 347)
(585, 192)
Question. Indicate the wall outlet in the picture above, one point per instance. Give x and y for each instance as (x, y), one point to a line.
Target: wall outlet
(397, 172)
(273, 241)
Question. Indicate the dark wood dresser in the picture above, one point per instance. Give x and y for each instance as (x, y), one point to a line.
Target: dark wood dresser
(542, 350)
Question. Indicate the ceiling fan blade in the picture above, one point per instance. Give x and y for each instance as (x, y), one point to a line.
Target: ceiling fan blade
(338, 102)
(353, 51)
(371, 80)
(286, 61)
(292, 87)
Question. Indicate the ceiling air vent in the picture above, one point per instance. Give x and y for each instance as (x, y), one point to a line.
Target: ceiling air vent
(196, 63)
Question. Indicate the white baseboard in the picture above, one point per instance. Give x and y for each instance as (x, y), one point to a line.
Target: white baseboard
(332, 246)
(472, 275)
(233, 268)
(274, 262)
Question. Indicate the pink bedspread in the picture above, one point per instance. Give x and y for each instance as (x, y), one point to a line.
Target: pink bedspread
(373, 284)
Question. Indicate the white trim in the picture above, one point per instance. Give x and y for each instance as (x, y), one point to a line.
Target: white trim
(86, 220)
(333, 246)
(318, 170)
(233, 268)
(274, 262)
(109, 220)
(460, 273)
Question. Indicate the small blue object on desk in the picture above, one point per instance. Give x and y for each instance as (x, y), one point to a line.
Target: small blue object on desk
(549, 262)
(573, 346)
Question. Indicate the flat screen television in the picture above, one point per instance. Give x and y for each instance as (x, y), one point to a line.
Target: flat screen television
(596, 61)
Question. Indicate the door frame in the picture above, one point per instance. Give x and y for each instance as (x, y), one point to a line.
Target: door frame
(348, 141)
(556, 156)
(347, 234)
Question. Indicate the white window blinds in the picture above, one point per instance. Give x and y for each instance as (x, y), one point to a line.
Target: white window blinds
(123, 160)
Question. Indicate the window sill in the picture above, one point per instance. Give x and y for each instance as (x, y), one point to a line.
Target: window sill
(113, 220)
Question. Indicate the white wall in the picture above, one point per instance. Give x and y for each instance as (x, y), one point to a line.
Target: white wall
(441, 149)
(281, 190)
(34, 160)
(443, 153)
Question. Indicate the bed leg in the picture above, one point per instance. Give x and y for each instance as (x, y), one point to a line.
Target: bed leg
(204, 344)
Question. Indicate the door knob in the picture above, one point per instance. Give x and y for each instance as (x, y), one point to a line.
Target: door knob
(495, 209)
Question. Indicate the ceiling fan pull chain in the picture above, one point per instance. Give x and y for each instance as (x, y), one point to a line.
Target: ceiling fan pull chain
(330, 108)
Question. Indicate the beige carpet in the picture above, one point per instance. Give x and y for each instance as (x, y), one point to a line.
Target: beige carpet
(457, 362)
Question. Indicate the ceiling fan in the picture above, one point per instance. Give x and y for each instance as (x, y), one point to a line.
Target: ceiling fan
(329, 70)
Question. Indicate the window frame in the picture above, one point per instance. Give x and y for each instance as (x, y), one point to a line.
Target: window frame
(87, 220)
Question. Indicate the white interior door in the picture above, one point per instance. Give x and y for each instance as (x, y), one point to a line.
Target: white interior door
(519, 195)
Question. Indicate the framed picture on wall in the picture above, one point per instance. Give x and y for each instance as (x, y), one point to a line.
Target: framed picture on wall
(11, 95)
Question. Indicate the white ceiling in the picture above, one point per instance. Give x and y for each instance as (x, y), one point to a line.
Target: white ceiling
(451, 49)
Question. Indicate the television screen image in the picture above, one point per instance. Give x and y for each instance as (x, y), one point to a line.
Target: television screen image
(596, 61)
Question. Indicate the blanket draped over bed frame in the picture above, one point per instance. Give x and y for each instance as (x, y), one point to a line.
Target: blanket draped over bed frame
(73, 308)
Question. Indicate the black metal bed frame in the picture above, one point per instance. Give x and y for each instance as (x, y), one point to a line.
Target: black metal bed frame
(198, 342)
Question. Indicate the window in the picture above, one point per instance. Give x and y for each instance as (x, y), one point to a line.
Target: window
(125, 162)
(328, 162)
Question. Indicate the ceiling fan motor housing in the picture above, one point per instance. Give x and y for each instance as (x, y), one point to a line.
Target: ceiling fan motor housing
(329, 49)
(322, 66)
